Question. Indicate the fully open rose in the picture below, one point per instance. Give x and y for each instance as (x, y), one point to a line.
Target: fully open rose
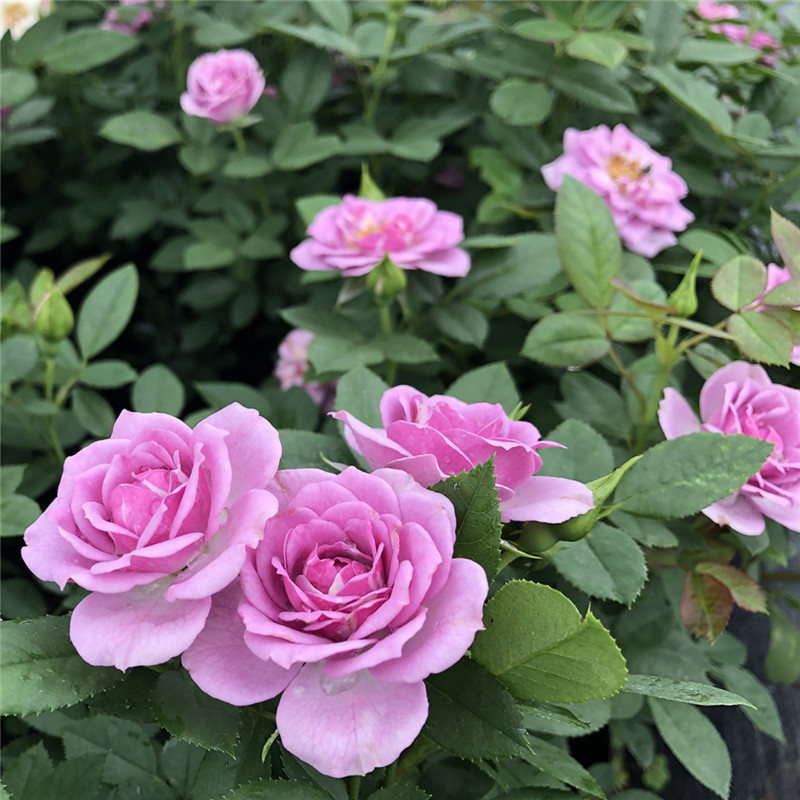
(740, 398)
(351, 599)
(153, 522)
(434, 437)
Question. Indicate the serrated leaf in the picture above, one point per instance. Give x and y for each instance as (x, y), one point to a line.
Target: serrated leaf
(598, 47)
(277, 790)
(706, 605)
(359, 391)
(739, 282)
(478, 528)
(761, 337)
(695, 742)
(606, 564)
(521, 102)
(302, 449)
(472, 715)
(143, 130)
(107, 309)
(538, 645)
(746, 592)
(761, 709)
(787, 240)
(554, 761)
(462, 322)
(158, 388)
(589, 246)
(491, 383)
(42, 671)
(567, 339)
(192, 716)
(698, 694)
(682, 476)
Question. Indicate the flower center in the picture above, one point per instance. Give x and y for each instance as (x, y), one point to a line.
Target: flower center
(623, 171)
(14, 13)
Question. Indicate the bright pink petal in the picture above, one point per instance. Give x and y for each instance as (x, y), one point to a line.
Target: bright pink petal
(352, 725)
(372, 443)
(137, 628)
(221, 664)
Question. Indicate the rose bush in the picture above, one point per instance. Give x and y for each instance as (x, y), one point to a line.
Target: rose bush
(433, 437)
(153, 522)
(354, 237)
(741, 398)
(223, 86)
(638, 185)
(293, 364)
(351, 599)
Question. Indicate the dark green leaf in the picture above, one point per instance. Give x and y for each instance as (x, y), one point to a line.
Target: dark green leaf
(158, 388)
(143, 130)
(491, 383)
(599, 47)
(783, 657)
(761, 337)
(108, 374)
(93, 411)
(554, 761)
(762, 711)
(708, 52)
(521, 102)
(584, 457)
(462, 322)
(19, 355)
(359, 391)
(86, 48)
(544, 30)
(16, 85)
(302, 449)
(17, 512)
(594, 85)
(698, 694)
(306, 81)
(739, 282)
(278, 790)
(568, 339)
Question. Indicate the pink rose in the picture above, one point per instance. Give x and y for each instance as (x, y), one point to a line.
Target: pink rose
(223, 86)
(113, 21)
(434, 437)
(354, 237)
(736, 32)
(740, 398)
(775, 277)
(153, 522)
(293, 364)
(636, 183)
(351, 599)
(707, 9)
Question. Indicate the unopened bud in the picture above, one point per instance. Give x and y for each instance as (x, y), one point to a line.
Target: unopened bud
(684, 298)
(386, 280)
(54, 319)
(368, 189)
(41, 286)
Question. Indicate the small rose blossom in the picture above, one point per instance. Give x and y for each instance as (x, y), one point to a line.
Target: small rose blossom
(708, 9)
(354, 237)
(775, 277)
(434, 437)
(223, 86)
(19, 15)
(737, 32)
(113, 21)
(636, 183)
(153, 522)
(349, 602)
(740, 398)
(293, 365)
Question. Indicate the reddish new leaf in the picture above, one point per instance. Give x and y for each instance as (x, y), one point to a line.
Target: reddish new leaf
(746, 593)
(706, 605)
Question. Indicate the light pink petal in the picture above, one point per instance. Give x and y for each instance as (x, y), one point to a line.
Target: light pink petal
(423, 469)
(738, 512)
(352, 725)
(221, 664)
(787, 515)
(453, 263)
(546, 499)
(131, 424)
(675, 415)
(712, 395)
(454, 616)
(372, 443)
(136, 628)
(306, 256)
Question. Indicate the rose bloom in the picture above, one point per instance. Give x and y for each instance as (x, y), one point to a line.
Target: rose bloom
(740, 398)
(707, 9)
(775, 277)
(19, 15)
(434, 437)
(293, 364)
(354, 237)
(636, 183)
(349, 602)
(223, 86)
(735, 32)
(153, 522)
(112, 21)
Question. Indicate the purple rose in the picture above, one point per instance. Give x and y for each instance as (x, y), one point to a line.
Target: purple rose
(354, 237)
(740, 398)
(433, 437)
(351, 599)
(153, 522)
(223, 86)
(637, 184)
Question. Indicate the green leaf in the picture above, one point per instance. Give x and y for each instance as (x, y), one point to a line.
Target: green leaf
(404, 348)
(299, 146)
(695, 742)
(787, 240)
(716, 249)
(461, 322)
(594, 401)
(107, 309)
(303, 449)
(17, 512)
(42, 671)
(219, 394)
(207, 255)
(108, 374)
(16, 86)
(761, 709)
(647, 532)
(472, 715)
(739, 282)
(544, 30)
(606, 564)
(706, 605)
(597, 47)
(538, 645)
(87, 48)
(663, 26)
(278, 790)
(359, 391)
(761, 337)
(158, 388)
(336, 13)
(247, 166)
(215, 33)
(708, 52)
(584, 457)
(521, 102)
(568, 339)
(309, 207)
(782, 663)
(594, 85)
(143, 130)
(698, 694)
(93, 411)
(491, 383)
(588, 243)
(330, 354)
(552, 760)
(199, 159)
(306, 80)
(192, 716)
(682, 476)
(478, 528)
(19, 355)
